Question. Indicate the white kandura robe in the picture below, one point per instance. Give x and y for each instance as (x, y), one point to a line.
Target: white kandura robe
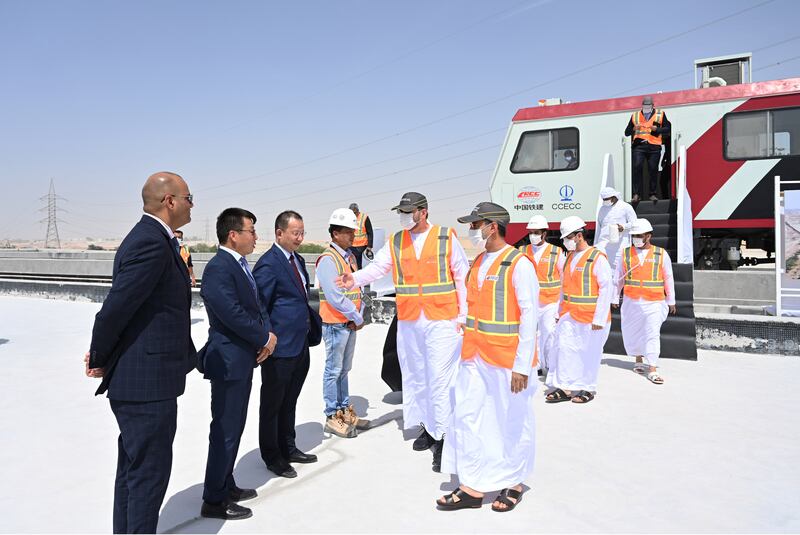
(578, 348)
(545, 339)
(491, 441)
(640, 319)
(620, 213)
(427, 350)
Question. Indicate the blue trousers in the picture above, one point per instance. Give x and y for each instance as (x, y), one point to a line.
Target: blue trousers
(228, 415)
(340, 344)
(144, 462)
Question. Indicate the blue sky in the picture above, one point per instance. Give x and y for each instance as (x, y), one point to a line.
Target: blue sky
(262, 104)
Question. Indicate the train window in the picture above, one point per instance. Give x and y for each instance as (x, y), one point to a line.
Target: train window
(762, 134)
(546, 150)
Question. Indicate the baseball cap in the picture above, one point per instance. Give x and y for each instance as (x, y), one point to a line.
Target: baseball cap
(411, 201)
(488, 211)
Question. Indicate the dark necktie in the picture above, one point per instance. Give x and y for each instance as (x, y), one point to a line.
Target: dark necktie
(297, 274)
(176, 245)
(243, 262)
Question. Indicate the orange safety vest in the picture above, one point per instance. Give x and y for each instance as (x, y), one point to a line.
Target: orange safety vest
(641, 126)
(580, 287)
(185, 254)
(645, 280)
(493, 315)
(360, 238)
(547, 272)
(424, 284)
(326, 310)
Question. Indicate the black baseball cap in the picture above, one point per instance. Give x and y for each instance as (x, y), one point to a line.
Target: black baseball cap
(411, 201)
(487, 211)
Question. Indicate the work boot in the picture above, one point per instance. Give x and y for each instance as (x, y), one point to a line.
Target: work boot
(436, 448)
(653, 197)
(423, 442)
(351, 418)
(336, 425)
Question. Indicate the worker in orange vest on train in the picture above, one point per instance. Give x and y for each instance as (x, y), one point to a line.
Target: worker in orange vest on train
(341, 313)
(362, 241)
(645, 276)
(647, 127)
(491, 441)
(584, 317)
(548, 260)
(428, 265)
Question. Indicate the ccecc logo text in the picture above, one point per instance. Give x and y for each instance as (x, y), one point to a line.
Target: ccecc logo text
(566, 192)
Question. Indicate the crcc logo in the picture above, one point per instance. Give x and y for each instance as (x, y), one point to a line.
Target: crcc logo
(566, 191)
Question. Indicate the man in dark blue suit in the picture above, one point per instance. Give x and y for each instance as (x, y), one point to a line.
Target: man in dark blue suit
(282, 282)
(142, 348)
(238, 341)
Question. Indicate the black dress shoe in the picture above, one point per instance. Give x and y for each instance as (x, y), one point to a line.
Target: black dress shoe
(299, 457)
(437, 448)
(239, 495)
(225, 511)
(282, 468)
(423, 442)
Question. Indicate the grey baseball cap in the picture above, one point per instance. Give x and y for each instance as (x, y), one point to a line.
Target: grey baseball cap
(488, 211)
(411, 201)
(647, 101)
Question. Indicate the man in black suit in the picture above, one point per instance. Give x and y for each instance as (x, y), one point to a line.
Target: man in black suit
(237, 342)
(282, 282)
(142, 348)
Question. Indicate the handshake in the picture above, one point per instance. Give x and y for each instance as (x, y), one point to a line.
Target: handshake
(268, 349)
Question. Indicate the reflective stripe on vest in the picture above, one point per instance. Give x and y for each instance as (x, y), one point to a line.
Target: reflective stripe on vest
(360, 238)
(546, 272)
(493, 317)
(642, 282)
(326, 311)
(580, 288)
(424, 284)
(641, 126)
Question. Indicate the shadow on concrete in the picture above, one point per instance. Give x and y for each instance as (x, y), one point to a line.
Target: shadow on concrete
(4, 341)
(618, 363)
(360, 405)
(393, 398)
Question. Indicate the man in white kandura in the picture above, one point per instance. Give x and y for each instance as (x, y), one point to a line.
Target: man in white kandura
(548, 260)
(585, 318)
(614, 221)
(491, 441)
(645, 273)
(428, 266)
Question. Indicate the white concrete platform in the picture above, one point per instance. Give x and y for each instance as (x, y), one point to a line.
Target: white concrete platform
(714, 449)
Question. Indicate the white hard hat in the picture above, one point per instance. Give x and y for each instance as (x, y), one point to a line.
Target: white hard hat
(571, 224)
(344, 217)
(607, 193)
(537, 222)
(640, 226)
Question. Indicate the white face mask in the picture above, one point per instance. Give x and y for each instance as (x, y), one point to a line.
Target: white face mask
(407, 221)
(536, 239)
(638, 242)
(570, 244)
(477, 238)
(608, 202)
(180, 241)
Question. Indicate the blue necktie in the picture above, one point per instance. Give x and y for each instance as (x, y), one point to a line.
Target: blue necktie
(176, 245)
(243, 262)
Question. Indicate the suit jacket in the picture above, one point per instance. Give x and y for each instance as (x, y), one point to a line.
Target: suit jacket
(284, 303)
(236, 330)
(142, 335)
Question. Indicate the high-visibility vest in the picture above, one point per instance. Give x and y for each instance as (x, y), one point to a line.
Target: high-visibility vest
(424, 284)
(546, 272)
(360, 238)
(326, 311)
(493, 315)
(641, 126)
(185, 254)
(580, 287)
(645, 280)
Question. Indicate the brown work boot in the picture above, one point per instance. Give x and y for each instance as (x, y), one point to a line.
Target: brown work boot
(337, 425)
(351, 418)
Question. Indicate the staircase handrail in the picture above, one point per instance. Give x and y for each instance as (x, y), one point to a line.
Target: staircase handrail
(685, 226)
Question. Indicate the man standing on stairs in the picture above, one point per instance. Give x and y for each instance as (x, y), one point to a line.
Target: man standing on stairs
(428, 266)
(645, 274)
(548, 260)
(614, 221)
(585, 317)
(647, 127)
